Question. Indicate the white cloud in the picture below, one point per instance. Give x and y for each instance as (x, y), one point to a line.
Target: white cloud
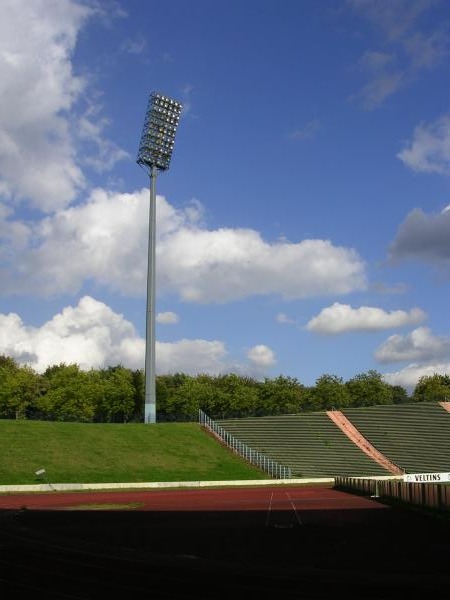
(136, 45)
(429, 150)
(375, 60)
(424, 237)
(104, 240)
(419, 345)
(283, 319)
(376, 91)
(40, 133)
(90, 130)
(89, 334)
(37, 85)
(408, 46)
(191, 357)
(94, 336)
(167, 318)
(342, 318)
(230, 264)
(261, 356)
(410, 375)
(394, 19)
(427, 354)
(307, 132)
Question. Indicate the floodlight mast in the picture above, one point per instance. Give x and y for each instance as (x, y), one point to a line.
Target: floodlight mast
(155, 152)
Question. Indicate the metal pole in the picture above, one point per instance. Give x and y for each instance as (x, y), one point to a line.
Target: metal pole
(150, 386)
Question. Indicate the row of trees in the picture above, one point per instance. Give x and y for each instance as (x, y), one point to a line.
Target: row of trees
(66, 393)
(116, 394)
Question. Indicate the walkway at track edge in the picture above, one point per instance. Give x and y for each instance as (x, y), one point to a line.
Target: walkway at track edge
(74, 487)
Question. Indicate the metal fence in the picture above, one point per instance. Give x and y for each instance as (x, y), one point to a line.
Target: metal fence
(429, 495)
(266, 464)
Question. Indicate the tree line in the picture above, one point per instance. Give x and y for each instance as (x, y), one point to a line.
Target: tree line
(116, 394)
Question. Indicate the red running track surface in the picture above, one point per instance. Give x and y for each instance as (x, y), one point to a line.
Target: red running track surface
(265, 498)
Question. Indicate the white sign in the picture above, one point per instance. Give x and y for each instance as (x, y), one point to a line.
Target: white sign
(426, 477)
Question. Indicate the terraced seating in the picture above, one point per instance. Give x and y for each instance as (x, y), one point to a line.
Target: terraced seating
(309, 443)
(416, 437)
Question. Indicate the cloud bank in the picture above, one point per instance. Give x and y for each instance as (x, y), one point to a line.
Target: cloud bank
(167, 318)
(424, 237)
(92, 335)
(43, 125)
(426, 353)
(261, 356)
(342, 318)
(407, 46)
(410, 375)
(429, 150)
(419, 345)
(104, 240)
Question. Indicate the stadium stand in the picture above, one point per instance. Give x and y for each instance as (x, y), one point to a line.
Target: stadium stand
(416, 437)
(356, 436)
(309, 443)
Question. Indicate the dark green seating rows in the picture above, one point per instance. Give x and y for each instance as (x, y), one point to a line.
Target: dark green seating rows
(416, 437)
(310, 444)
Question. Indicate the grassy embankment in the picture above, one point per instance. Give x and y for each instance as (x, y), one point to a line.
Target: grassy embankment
(99, 453)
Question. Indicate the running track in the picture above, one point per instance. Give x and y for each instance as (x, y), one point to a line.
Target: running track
(286, 498)
(292, 542)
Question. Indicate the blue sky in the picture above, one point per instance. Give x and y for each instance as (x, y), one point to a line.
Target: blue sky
(303, 227)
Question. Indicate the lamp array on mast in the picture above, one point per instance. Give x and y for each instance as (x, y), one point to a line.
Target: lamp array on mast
(158, 132)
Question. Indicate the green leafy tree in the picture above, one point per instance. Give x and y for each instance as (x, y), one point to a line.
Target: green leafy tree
(235, 396)
(166, 388)
(432, 388)
(282, 395)
(118, 394)
(8, 367)
(73, 395)
(399, 395)
(162, 395)
(7, 364)
(218, 397)
(185, 401)
(369, 389)
(138, 381)
(330, 392)
(20, 389)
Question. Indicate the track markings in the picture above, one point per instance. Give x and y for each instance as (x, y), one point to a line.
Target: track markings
(282, 517)
(299, 521)
(269, 510)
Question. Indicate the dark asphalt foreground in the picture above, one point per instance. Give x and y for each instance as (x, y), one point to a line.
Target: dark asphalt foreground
(327, 544)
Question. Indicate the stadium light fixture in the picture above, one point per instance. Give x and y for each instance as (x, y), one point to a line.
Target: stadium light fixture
(155, 151)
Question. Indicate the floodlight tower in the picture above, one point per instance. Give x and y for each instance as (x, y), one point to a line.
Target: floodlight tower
(155, 152)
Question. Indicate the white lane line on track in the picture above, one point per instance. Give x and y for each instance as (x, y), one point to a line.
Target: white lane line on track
(294, 509)
(269, 510)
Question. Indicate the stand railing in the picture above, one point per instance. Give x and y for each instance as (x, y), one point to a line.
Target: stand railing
(428, 495)
(266, 464)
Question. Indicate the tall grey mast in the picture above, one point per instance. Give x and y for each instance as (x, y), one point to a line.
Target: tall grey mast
(155, 152)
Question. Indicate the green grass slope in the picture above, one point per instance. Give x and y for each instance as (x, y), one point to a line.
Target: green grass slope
(103, 453)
